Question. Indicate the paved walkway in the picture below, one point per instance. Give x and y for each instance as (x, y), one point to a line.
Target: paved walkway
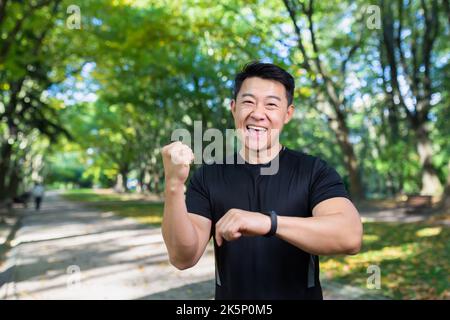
(68, 251)
(393, 215)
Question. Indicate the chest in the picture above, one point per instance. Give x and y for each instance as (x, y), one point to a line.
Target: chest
(285, 192)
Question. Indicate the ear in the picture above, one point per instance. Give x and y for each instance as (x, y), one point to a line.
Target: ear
(233, 106)
(289, 113)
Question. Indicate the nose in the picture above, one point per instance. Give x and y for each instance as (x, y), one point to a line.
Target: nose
(258, 112)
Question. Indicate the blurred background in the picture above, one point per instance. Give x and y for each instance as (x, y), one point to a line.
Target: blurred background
(91, 90)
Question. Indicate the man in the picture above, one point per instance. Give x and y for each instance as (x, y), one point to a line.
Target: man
(268, 229)
(38, 194)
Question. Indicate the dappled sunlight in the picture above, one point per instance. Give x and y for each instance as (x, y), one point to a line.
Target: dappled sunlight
(402, 252)
(414, 260)
(429, 232)
(125, 205)
(369, 238)
(150, 220)
(93, 92)
(118, 258)
(352, 263)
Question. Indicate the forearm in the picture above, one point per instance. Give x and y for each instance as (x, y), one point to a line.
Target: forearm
(337, 233)
(178, 231)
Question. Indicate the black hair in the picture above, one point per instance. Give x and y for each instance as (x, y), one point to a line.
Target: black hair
(267, 71)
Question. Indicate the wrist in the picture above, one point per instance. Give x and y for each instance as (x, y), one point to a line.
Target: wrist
(174, 186)
(273, 217)
(267, 225)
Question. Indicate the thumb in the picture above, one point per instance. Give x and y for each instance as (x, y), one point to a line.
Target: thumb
(219, 239)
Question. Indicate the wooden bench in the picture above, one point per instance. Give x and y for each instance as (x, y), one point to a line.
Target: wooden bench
(417, 203)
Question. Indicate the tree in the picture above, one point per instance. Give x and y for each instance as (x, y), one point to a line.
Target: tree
(327, 79)
(411, 68)
(24, 76)
(444, 204)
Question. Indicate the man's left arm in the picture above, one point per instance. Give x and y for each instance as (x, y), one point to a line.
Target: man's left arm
(334, 228)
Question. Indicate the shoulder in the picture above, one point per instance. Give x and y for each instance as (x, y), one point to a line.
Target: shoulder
(313, 167)
(299, 157)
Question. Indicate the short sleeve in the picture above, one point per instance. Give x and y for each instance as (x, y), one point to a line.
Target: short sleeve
(326, 183)
(197, 197)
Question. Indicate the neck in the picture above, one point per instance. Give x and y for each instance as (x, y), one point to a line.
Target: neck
(260, 156)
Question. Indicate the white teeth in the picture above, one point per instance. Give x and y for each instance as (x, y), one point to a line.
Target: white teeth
(257, 128)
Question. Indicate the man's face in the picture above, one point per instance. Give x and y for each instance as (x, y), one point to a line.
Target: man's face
(260, 112)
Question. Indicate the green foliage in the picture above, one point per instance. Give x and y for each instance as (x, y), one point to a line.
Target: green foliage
(65, 167)
(136, 70)
(413, 259)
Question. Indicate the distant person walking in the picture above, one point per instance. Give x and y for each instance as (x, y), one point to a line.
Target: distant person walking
(38, 194)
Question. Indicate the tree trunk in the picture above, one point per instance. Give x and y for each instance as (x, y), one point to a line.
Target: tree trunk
(6, 152)
(444, 204)
(430, 180)
(417, 81)
(119, 184)
(124, 174)
(328, 87)
(340, 129)
(14, 181)
(158, 188)
(141, 180)
(356, 188)
(391, 189)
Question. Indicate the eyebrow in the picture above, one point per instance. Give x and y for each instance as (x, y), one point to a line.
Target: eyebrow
(248, 95)
(274, 97)
(252, 96)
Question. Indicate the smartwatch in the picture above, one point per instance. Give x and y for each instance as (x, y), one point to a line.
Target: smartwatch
(273, 224)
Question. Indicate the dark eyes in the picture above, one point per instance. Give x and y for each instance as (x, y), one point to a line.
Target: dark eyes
(272, 105)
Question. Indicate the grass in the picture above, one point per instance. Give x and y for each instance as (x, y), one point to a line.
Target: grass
(414, 258)
(125, 205)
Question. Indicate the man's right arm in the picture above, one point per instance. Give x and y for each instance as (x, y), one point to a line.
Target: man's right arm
(186, 235)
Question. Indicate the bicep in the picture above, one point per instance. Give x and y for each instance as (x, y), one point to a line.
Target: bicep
(336, 205)
(342, 219)
(203, 228)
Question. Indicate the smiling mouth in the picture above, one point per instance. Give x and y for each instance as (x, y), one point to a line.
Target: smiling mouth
(255, 129)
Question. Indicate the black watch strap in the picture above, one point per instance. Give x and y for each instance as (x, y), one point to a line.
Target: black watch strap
(273, 223)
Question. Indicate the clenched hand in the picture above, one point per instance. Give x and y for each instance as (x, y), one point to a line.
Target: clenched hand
(236, 223)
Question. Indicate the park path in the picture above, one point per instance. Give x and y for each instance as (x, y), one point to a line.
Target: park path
(69, 251)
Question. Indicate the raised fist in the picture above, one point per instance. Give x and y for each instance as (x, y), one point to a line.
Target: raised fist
(177, 158)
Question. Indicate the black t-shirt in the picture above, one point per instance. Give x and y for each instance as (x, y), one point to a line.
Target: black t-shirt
(260, 267)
